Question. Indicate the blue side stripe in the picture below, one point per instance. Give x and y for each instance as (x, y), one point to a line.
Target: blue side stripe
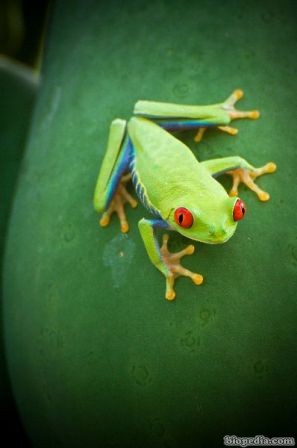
(121, 168)
(139, 187)
(183, 125)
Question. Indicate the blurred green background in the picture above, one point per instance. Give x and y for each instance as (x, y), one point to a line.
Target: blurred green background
(95, 355)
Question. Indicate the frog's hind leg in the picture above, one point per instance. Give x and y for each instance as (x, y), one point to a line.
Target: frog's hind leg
(177, 117)
(241, 172)
(111, 193)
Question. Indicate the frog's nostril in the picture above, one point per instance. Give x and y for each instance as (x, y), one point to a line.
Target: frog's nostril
(218, 233)
(212, 231)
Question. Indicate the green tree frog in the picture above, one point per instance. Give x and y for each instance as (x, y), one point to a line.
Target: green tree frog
(181, 193)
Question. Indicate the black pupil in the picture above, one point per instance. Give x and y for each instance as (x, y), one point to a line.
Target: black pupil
(180, 218)
(243, 210)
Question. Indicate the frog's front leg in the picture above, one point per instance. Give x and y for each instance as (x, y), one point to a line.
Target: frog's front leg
(168, 263)
(111, 193)
(242, 172)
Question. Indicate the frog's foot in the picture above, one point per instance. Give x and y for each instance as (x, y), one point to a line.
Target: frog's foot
(233, 113)
(172, 261)
(247, 177)
(228, 129)
(199, 135)
(121, 196)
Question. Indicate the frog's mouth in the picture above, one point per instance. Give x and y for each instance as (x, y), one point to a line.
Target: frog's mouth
(212, 237)
(220, 240)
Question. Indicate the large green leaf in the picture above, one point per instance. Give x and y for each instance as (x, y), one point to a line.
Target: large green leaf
(96, 355)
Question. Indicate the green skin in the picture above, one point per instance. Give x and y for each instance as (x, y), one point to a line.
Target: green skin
(169, 176)
(174, 178)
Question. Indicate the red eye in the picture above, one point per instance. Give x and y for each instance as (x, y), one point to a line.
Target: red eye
(239, 210)
(183, 217)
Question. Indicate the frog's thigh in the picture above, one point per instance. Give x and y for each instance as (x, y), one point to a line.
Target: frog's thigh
(155, 110)
(111, 165)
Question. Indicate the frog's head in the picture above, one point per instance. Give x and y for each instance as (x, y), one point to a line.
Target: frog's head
(214, 222)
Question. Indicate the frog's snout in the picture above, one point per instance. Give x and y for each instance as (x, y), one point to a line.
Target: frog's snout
(217, 231)
(220, 234)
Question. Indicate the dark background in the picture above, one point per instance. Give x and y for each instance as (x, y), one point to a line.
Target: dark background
(96, 356)
(22, 25)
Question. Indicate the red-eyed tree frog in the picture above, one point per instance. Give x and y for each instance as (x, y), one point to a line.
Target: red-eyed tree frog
(181, 193)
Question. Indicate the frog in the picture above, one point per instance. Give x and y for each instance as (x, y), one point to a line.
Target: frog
(181, 193)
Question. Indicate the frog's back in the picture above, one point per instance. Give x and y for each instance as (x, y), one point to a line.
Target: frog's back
(158, 149)
(164, 166)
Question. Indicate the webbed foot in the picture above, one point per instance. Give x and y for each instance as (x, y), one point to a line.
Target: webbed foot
(121, 196)
(172, 261)
(247, 177)
(229, 113)
(228, 105)
(233, 113)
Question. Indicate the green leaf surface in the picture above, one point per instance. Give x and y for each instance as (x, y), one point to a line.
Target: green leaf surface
(17, 93)
(96, 355)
